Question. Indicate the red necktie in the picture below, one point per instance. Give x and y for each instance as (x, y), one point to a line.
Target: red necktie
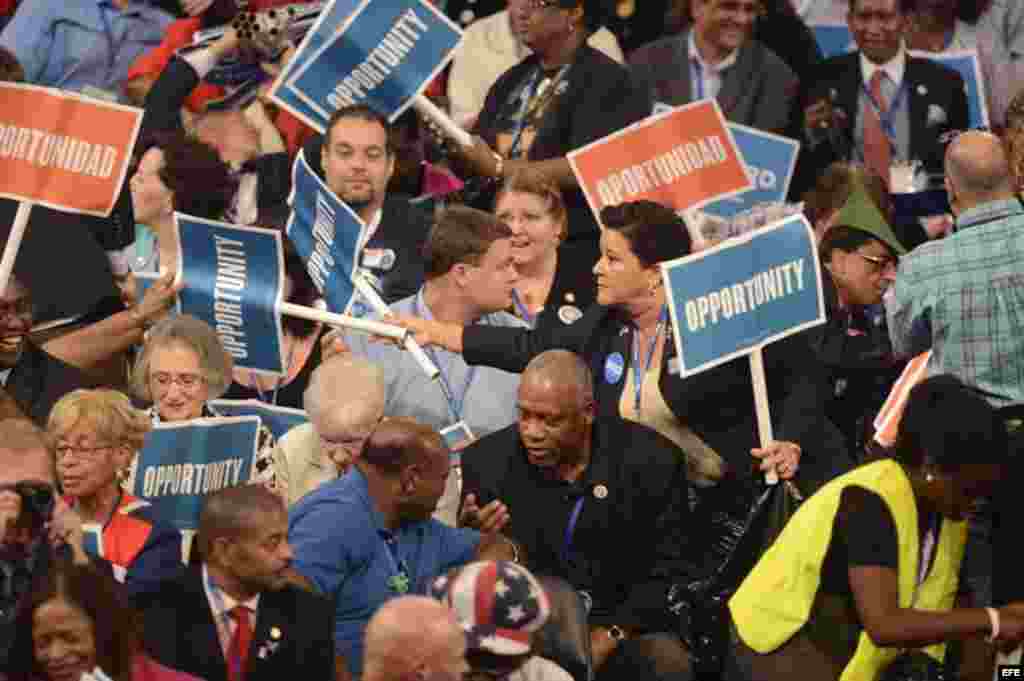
(877, 146)
(238, 650)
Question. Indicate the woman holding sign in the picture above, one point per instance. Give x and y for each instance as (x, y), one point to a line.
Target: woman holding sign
(95, 435)
(563, 96)
(183, 366)
(627, 340)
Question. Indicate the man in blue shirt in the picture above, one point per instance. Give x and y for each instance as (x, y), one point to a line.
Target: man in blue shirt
(85, 46)
(368, 536)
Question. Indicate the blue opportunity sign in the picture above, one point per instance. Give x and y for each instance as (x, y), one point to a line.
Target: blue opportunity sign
(744, 293)
(383, 54)
(234, 282)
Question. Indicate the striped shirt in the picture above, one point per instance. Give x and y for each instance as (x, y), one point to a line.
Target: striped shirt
(963, 296)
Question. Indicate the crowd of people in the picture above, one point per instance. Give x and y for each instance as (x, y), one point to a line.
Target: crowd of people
(534, 512)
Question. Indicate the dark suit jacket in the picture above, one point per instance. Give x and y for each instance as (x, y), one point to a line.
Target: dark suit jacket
(718, 404)
(759, 90)
(840, 79)
(403, 230)
(179, 632)
(39, 379)
(631, 544)
(574, 282)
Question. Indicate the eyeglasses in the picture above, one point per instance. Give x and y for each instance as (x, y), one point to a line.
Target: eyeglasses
(165, 379)
(543, 4)
(80, 452)
(881, 263)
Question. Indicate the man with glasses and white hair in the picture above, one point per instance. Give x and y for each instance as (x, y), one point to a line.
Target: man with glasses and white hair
(344, 401)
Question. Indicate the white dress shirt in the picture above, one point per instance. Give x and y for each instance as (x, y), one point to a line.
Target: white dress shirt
(710, 75)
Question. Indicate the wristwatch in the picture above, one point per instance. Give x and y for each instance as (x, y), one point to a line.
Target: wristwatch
(616, 633)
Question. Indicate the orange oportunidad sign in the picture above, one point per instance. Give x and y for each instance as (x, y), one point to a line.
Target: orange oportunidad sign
(63, 150)
(682, 158)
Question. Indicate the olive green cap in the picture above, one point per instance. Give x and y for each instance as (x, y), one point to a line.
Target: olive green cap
(860, 212)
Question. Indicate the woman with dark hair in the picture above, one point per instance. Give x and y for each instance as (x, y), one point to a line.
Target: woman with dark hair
(176, 173)
(866, 570)
(561, 97)
(626, 338)
(77, 621)
(301, 349)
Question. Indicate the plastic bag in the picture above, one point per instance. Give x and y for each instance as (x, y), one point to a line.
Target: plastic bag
(701, 604)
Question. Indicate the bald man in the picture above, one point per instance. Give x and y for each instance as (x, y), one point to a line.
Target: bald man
(602, 504)
(963, 296)
(368, 536)
(414, 637)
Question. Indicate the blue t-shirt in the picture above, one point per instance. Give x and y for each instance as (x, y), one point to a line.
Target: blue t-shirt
(339, 542)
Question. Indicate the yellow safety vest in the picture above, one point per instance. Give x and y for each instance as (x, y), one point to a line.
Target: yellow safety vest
(774, 602)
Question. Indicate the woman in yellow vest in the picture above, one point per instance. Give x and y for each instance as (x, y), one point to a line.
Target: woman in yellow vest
(867, 568)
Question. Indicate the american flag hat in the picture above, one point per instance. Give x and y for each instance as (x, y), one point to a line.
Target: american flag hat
(498, 603)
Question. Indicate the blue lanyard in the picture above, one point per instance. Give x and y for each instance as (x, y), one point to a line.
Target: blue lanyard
(886, 119)
(697, 76)
(529, 95)
(521, 309)
(640, 370)
(399, 579)
(454, 404)
(108, 32)
(570, 529)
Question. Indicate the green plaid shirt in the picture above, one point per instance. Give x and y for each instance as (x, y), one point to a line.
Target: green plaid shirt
(963, 296)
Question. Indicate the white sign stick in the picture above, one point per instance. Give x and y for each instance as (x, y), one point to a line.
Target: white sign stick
(364, 325)
(14, 242)
(764, 418)
(443, 121)
(367, 291)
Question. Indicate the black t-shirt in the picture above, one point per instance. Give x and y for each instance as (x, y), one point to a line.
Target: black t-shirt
(863, 535)
(594, 98)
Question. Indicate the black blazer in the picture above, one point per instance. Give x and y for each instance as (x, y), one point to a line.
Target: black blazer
(632, 542)
(573, 286)
(179, 632)
(718, 404)
(840, 79)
